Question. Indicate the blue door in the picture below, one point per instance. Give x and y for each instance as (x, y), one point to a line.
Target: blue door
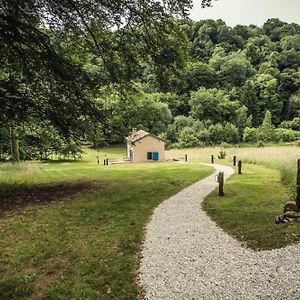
(155, 156)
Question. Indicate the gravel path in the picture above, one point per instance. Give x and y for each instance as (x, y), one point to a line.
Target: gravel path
(187, 256)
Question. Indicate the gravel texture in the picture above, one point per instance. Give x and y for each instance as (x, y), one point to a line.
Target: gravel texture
(186, 255)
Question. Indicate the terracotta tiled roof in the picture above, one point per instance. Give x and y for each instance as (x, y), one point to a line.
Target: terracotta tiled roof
(137, 135)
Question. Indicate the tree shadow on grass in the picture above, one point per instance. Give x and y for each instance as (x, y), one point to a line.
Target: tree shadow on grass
(13, 200)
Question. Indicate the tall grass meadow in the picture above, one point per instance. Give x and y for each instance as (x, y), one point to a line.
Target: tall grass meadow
(19, 174)
(282, 158)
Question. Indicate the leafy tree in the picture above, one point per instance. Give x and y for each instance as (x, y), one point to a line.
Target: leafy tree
(212, 104)
(198, 74)
(223, 133)
(294, 106)
(242, 120)
(267, 122)
(187, 138)
(249, 122)
(293, 124)
(236, 69)
(268, 98)
(272, 28)
(59, 84)
(257, 49)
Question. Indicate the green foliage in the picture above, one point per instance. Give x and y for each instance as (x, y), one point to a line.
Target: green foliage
(235, 69)
(213, 105)
(293, 124)
(256, 135)
(187, 138)
(143, 74)
(227, 133)
(251, 135)
(267, 122)
(242, 121)
(222, 154)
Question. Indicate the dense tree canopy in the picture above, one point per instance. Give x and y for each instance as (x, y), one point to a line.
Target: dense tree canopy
(76, 72)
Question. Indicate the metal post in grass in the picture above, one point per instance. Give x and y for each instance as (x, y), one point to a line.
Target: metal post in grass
(104, 162)
(298, 185)
(234, 160)
(107, 161)
(240, 167)
(185, 157)
(212, 159)
(98, 160)
(221, 184)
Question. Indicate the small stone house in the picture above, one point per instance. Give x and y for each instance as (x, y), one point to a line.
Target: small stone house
(143, 146)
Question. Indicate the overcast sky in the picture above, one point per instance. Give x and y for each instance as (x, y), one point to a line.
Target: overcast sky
(247, 12)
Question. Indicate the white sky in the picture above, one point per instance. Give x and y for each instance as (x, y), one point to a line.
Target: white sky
(247, 12)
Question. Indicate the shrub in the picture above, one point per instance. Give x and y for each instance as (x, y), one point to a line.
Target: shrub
(225, 145)
(293, 124)
(286, 135)
(227, 133)
(222, 154)
(260, 144)
(188, 138)
(256, 135)
(250, 135)
(204, 136)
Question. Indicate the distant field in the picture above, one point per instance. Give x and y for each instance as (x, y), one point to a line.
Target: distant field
(283, 158)
(72, 230)
(269, 154)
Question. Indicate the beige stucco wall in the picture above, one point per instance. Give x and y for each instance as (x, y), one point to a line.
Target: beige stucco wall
(147, 144)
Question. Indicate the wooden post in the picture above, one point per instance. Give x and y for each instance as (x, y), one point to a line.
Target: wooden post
(234, 160)
(98, 160)
(212, 159)
(104, 162)
(185, 157)
(298, 186)
(107, 161)
(221, 184)
(240, 167)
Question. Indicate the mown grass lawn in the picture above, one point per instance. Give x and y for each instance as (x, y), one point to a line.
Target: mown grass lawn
(85, 245)
(248, 209)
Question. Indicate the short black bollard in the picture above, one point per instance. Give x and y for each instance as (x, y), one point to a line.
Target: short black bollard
(104, 162)
(212, 159)
(221, 184)
(234, 160)
(185, 157)
(107, 161)
(98, 160)
(240, 167)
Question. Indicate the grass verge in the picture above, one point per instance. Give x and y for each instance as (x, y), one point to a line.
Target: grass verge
(248, 209)
(86, 247)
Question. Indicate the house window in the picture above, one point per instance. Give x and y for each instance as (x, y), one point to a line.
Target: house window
(149, 155)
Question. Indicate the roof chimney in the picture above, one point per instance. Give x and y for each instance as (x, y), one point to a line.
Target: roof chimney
(134, 130)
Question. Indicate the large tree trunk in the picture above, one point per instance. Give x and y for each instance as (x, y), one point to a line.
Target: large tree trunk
(14, 143)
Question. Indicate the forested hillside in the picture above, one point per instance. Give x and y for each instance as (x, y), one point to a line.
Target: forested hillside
(203, 83)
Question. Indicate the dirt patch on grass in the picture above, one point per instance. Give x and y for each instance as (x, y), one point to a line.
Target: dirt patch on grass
(15, 200)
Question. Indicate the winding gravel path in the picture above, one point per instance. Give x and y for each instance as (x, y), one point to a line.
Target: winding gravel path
(187, 256)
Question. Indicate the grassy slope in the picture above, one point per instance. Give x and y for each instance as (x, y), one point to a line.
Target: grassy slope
(86, 248)
(247, 211)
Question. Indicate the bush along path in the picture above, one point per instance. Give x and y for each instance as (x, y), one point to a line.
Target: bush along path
(186, 255)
